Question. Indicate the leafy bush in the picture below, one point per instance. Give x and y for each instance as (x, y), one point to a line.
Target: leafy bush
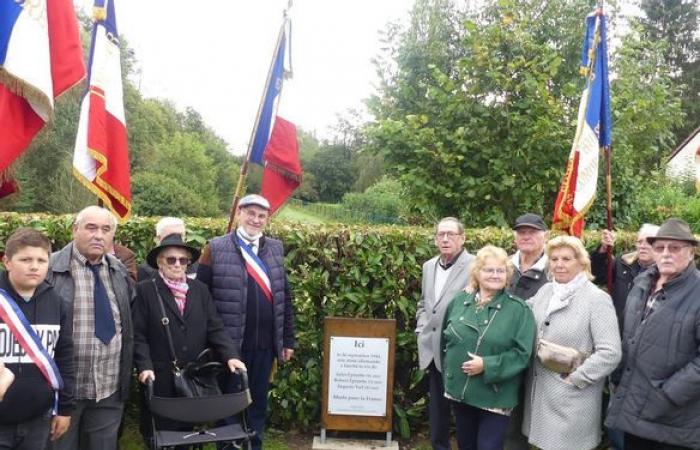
(382, 199)
(348, 271)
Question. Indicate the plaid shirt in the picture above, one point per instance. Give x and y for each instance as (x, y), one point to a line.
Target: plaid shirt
(96, 364)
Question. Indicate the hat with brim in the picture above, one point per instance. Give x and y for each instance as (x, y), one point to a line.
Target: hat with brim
(530, 220)
(171, 240)
(674, 230)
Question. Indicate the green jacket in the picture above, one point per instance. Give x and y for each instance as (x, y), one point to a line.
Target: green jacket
(507, 329)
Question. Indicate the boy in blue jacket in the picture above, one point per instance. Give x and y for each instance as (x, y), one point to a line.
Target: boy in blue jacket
(35, 345)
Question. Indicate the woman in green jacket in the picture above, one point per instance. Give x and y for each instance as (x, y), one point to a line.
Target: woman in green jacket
(487, 340)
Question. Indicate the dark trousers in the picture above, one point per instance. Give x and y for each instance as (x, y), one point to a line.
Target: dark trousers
(478, 429)
(633, 442)
(93, 425)
(32, 434)
(259, 365)
(438, 411)
(515, 439)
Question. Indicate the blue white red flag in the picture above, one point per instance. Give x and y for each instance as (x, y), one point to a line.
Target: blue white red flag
(40, 58)
(593, 132)
(275, 144)
(101, 157)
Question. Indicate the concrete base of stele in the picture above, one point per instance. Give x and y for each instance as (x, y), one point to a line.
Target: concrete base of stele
(353, 444)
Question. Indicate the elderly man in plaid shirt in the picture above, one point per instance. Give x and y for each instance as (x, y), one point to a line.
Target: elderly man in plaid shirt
(97, 287)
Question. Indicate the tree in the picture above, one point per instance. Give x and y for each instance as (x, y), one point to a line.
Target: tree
(333, 172)
(489, 135)
(676, 23)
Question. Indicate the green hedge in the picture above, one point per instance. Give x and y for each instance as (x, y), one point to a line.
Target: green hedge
(350, 271)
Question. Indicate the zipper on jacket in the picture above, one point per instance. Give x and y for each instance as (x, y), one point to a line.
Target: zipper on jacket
(454, 331)
(476, 350)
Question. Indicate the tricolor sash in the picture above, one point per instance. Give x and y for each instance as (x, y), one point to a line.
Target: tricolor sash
(256, 268)
(29, 340)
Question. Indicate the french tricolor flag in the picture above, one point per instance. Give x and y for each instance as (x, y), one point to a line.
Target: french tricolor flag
(101, 157)
(40, 58)
(275, 145)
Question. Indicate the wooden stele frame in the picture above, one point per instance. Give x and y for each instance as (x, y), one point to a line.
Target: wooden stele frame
(359, 329)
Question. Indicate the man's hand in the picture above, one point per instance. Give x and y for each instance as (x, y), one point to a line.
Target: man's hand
(607, 240)
(235, 363)
(145, 375)
(6, 379)
(59, 425)
(287, 354)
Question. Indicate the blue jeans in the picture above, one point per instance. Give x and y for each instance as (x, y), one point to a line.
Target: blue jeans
(32, 434)
(259, 365)
(478, 429)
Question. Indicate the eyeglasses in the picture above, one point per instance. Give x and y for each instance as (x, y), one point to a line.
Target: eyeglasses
(672, 248)
(446, 234)
(492, 271)
(171, 260)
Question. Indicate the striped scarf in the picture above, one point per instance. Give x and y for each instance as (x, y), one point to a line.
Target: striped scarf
(179, 289)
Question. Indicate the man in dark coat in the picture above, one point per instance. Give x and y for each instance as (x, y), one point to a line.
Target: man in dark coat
(657, 400)
(96, 287)
(245, 273)
(626, 267)
(529, 275)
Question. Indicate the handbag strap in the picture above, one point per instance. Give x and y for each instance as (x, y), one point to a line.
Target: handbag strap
(166, 325)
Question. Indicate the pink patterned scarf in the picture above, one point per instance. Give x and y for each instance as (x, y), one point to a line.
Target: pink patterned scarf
(179, 289)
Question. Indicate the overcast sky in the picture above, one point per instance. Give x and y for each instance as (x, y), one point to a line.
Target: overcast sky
(213, 55)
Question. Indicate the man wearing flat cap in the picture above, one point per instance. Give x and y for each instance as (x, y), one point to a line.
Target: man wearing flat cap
(247, 279)
(530, 262)
(657, 400)
(529, 275)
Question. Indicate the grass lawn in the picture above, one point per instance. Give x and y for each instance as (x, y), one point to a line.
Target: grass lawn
(294, 214)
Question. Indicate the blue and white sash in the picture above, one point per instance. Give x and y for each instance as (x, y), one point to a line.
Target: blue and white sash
(29, 340)
(256, 268)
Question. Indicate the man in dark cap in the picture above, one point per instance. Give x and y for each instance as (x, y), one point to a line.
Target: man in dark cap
(657, 400)
(530, 262)
(247, 279)
(530, 274)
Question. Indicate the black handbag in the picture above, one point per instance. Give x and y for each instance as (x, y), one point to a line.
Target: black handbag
(198, 378)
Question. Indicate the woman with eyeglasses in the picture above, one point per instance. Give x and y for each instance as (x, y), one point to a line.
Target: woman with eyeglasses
(487, 341)
(578, 346)
(192, 320)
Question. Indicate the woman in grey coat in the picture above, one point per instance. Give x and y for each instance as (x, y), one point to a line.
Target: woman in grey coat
(563, 406)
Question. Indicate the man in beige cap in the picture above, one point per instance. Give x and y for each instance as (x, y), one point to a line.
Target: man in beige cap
(657, 400)
(247, 279)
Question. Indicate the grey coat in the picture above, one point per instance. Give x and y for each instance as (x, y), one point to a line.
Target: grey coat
(431, 310)
(60, 277)
(566, 416)
(658, 396)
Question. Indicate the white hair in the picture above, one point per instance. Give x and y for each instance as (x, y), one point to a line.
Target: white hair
(98, 209)
(167, 222)
(648, 229)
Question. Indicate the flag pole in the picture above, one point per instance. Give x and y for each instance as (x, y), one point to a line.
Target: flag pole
(608, 194)
(240, 187)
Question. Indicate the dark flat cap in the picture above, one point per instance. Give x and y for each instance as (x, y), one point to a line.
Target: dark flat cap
(530, 220)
